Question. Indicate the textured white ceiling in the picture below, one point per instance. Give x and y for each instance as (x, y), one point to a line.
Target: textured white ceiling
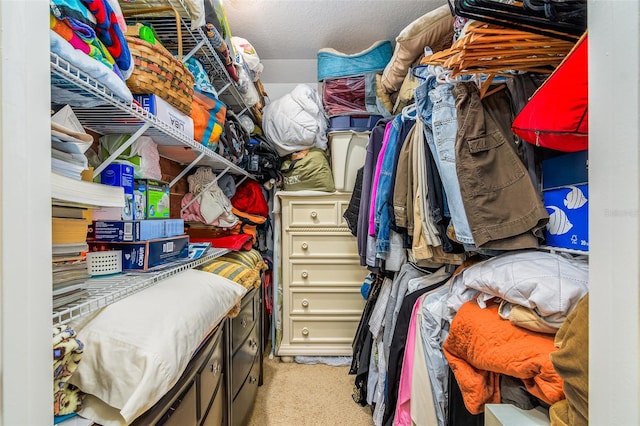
(297, 29)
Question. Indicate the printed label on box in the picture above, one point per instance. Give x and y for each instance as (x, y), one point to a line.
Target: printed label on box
(121, 175)
(568, 209)
(155, 196)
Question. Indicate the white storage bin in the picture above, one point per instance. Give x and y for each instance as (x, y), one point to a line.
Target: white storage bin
(348, 152)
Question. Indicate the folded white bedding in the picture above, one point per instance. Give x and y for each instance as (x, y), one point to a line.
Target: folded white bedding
(137, 348)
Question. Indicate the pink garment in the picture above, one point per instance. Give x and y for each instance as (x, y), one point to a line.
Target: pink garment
(191, 213)
(403, 406)
(376, 178)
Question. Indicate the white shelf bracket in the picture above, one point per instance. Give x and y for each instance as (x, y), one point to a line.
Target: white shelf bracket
(203, 190)
(121, 149)
(193, 51)
(186, 169)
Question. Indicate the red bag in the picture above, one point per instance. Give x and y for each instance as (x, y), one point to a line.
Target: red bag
(556, 116)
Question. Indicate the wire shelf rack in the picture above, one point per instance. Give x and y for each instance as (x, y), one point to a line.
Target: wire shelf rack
(112, 115)
(194, 43)
(104, 291)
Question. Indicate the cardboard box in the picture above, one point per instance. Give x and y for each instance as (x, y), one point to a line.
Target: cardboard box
(566, 169)
(145, 255)
(166, 113)
(568, 209)
(152, 199)
(121, 175)
(136, 230)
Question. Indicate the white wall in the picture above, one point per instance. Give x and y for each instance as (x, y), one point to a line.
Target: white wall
(25, 215)
(281, 76)
(614, 188)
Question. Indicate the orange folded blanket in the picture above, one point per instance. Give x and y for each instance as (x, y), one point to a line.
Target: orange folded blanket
(481, 346)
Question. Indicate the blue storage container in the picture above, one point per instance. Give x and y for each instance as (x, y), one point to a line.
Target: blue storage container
(566, 169)
(332, 64)
(357, 123)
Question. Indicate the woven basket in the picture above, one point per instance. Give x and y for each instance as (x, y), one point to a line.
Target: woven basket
(158, 72)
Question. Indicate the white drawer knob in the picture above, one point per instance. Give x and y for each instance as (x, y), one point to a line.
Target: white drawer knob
(304, 274)
(305, 331)
(243, 323)
(215, 368)
(305, 303)
(304, 246)
(314, 215)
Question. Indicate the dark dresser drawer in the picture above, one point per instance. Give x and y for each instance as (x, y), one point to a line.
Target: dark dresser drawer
(244, 401)
(216, 415)
(211, 373)
(242, 324)
(243, 359)
(183, 411)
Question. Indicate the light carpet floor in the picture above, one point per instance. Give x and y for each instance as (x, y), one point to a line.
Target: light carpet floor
(307, 395)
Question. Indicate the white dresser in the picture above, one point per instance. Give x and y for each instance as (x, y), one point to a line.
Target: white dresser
(321, 276)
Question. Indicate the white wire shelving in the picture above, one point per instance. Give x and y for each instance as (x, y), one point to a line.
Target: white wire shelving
(108, 114)
(104, 291)
(194, 43)
(112, 115)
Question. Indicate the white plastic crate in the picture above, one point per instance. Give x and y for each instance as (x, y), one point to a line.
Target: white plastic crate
(104, 262)
(348, 153)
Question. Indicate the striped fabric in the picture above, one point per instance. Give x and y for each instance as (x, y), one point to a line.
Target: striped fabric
(239, 273)
(251, 259)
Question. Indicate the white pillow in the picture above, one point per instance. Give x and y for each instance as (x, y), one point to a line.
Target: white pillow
(136, 349)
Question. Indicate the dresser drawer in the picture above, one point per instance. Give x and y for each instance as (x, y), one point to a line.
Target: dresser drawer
(244, 401)
(304, 213)
(216, 415)
(243, 323)
(322, 330)
(342, 207)
(243, 360)
(327, 273)
(334, 245)
(211, 373)
(182, 411)
(320, 301)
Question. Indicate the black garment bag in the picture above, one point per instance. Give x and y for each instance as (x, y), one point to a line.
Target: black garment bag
(564, 20)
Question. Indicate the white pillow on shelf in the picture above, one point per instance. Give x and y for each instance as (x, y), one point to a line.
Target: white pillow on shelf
(137, 348)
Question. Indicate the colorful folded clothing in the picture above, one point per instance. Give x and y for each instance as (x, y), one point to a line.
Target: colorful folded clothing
(109, 32)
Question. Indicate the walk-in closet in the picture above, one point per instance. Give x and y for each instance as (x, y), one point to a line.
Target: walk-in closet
(276, 213)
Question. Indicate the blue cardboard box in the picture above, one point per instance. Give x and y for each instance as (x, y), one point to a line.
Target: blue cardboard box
(136, 230)
(145, 255)
(568, 209)
(121, 175)
(566, 169)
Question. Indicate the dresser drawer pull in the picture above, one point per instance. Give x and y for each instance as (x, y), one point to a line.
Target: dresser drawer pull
(314, 215)
(252, 379)
(253, 344)
(305, 331)
(305, 303)
(304, 246)
(215, 368)
(243, 323)
(304, 274)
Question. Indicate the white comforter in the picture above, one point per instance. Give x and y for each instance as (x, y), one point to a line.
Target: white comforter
(296, 121)
(547, 283)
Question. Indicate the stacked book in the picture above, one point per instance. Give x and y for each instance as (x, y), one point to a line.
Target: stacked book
(69, 265)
